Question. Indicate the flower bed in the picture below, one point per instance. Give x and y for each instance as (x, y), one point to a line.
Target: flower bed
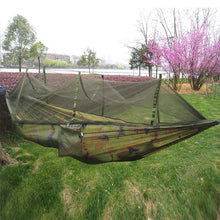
(9, 80)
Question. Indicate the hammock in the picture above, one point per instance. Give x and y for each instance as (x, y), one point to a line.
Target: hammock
(98, 121)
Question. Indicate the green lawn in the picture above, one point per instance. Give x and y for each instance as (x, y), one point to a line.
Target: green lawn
(181, 182)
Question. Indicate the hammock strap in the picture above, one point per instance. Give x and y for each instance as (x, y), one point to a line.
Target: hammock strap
(44, 79)
(76, 94)
(30, 80)
(19, 95)
(83, 88)
(156, 103)
(103, 96)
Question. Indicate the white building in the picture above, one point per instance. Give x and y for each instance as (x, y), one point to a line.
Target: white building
(74, 59)
(55, 56)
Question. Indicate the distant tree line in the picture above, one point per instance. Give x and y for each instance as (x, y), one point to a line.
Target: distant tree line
(22, 48)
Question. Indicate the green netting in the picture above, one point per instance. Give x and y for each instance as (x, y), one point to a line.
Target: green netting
(132, 102)
(94, 120)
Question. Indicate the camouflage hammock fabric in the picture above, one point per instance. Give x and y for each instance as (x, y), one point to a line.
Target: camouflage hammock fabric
(94, 138)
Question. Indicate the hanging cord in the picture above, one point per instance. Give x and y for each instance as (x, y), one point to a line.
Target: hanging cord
(83, 88)
(30, 80)
(79, 80)
(76, 94)
(21, 89)
(156, 103)
(103, 95)
(44, 79)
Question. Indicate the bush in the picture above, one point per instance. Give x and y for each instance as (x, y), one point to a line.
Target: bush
(55, 63)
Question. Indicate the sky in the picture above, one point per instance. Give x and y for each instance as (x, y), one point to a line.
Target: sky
(106, 26)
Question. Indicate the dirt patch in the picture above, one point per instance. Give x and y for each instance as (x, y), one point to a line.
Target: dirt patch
(186, 89)
(149, 205)
(67, 196)
(5, 158)
(16, 149)
(69, 205)
(133, 188)
(108, 213)
(36, 165)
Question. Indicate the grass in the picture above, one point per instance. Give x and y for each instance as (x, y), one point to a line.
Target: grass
(181, 182)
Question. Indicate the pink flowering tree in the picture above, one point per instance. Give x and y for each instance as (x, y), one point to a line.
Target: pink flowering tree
(152, 57)
(194, 54)
(200, 57)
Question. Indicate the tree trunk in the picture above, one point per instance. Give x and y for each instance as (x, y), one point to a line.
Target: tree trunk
(175, 81)
(196, 83)
(19, 63)
(139, 68)
(38, 64)
(150, 71)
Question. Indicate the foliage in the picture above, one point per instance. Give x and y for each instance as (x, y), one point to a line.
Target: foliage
(112, 66)
(205, 58)
(152, 58)
(88, 59)
(37, 51)
(180, 182)
(10, 60)
(141, 56)
(193, 53)
(55, 63)
(18, 39)
(138, 58)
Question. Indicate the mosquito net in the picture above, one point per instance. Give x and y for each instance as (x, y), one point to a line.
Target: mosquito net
(146, 102)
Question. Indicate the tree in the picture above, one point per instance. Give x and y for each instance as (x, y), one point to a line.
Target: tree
(138, 59)
(205, 48)
(18, 38)
(154, 56)
(88, 59)
(37, 51)
(193, 53)
(200, 57)
(141, 57)
(172, 29)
